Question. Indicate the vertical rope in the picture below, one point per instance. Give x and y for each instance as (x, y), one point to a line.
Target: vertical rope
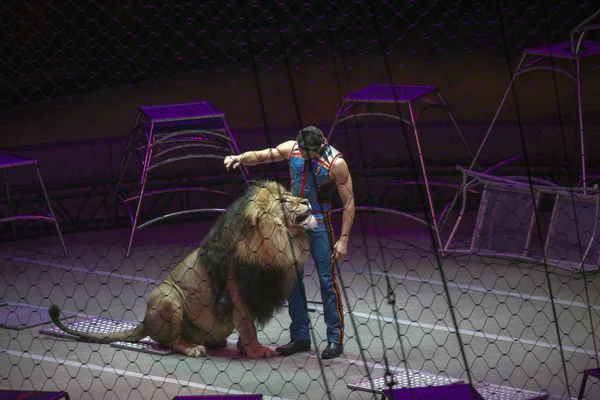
(277, 15)
(372, 6)
(269, 141)
(390, 291)
(275, 6)
(570, 180)
(373, 286)
(532, 191)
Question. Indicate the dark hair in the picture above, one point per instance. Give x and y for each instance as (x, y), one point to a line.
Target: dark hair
(310, 138)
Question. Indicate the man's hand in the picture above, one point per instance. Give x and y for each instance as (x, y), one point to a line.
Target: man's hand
(231, 162)
(340, 249)
(294, 228)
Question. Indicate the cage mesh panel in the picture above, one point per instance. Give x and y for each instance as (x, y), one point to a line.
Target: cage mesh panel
(571, 233)
(503, 224)
(513, 329)
(59, 48)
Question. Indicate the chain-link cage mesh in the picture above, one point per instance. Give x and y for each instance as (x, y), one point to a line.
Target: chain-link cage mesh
(481, 275)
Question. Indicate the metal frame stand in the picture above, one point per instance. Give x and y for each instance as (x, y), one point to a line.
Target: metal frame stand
(508, 208)
(531, 60)
(10, 161)
(537, 59)
(164, 134)
(409, 96)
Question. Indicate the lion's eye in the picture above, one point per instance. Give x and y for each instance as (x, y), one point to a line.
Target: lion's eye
(283, 201)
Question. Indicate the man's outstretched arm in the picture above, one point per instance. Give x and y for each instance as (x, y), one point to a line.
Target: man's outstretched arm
(249, 158)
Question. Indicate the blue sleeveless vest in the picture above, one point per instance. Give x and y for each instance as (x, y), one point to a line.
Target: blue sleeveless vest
(311, 180)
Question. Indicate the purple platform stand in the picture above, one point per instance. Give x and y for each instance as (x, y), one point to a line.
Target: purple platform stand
(222, 396)
(461, 391)
(370, 102)
(32, 395)
(8, 161)
(164, 135)
(593, 372)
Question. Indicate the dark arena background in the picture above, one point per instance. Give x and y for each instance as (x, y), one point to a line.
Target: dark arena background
(472, 133)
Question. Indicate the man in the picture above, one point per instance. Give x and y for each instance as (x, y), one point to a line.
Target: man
(316, 169)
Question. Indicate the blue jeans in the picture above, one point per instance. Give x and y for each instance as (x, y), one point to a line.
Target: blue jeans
(321, 249)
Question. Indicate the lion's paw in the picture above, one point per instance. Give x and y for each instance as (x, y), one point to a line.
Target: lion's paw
(216, 345)
(259, 351)
(197, 351)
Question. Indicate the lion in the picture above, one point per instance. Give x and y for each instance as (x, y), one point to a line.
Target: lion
(238, 277)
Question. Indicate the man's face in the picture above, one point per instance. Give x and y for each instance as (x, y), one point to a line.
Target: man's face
(309, 154)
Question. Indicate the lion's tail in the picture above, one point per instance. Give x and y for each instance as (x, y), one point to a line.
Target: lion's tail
(131, 335)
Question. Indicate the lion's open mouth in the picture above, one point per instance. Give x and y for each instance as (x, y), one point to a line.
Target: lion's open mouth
(300, 218)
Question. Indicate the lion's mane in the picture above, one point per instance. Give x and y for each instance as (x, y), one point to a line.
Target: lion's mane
(251, 244)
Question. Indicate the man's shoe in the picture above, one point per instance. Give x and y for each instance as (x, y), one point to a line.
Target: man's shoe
(294, 347)
(332, 350)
